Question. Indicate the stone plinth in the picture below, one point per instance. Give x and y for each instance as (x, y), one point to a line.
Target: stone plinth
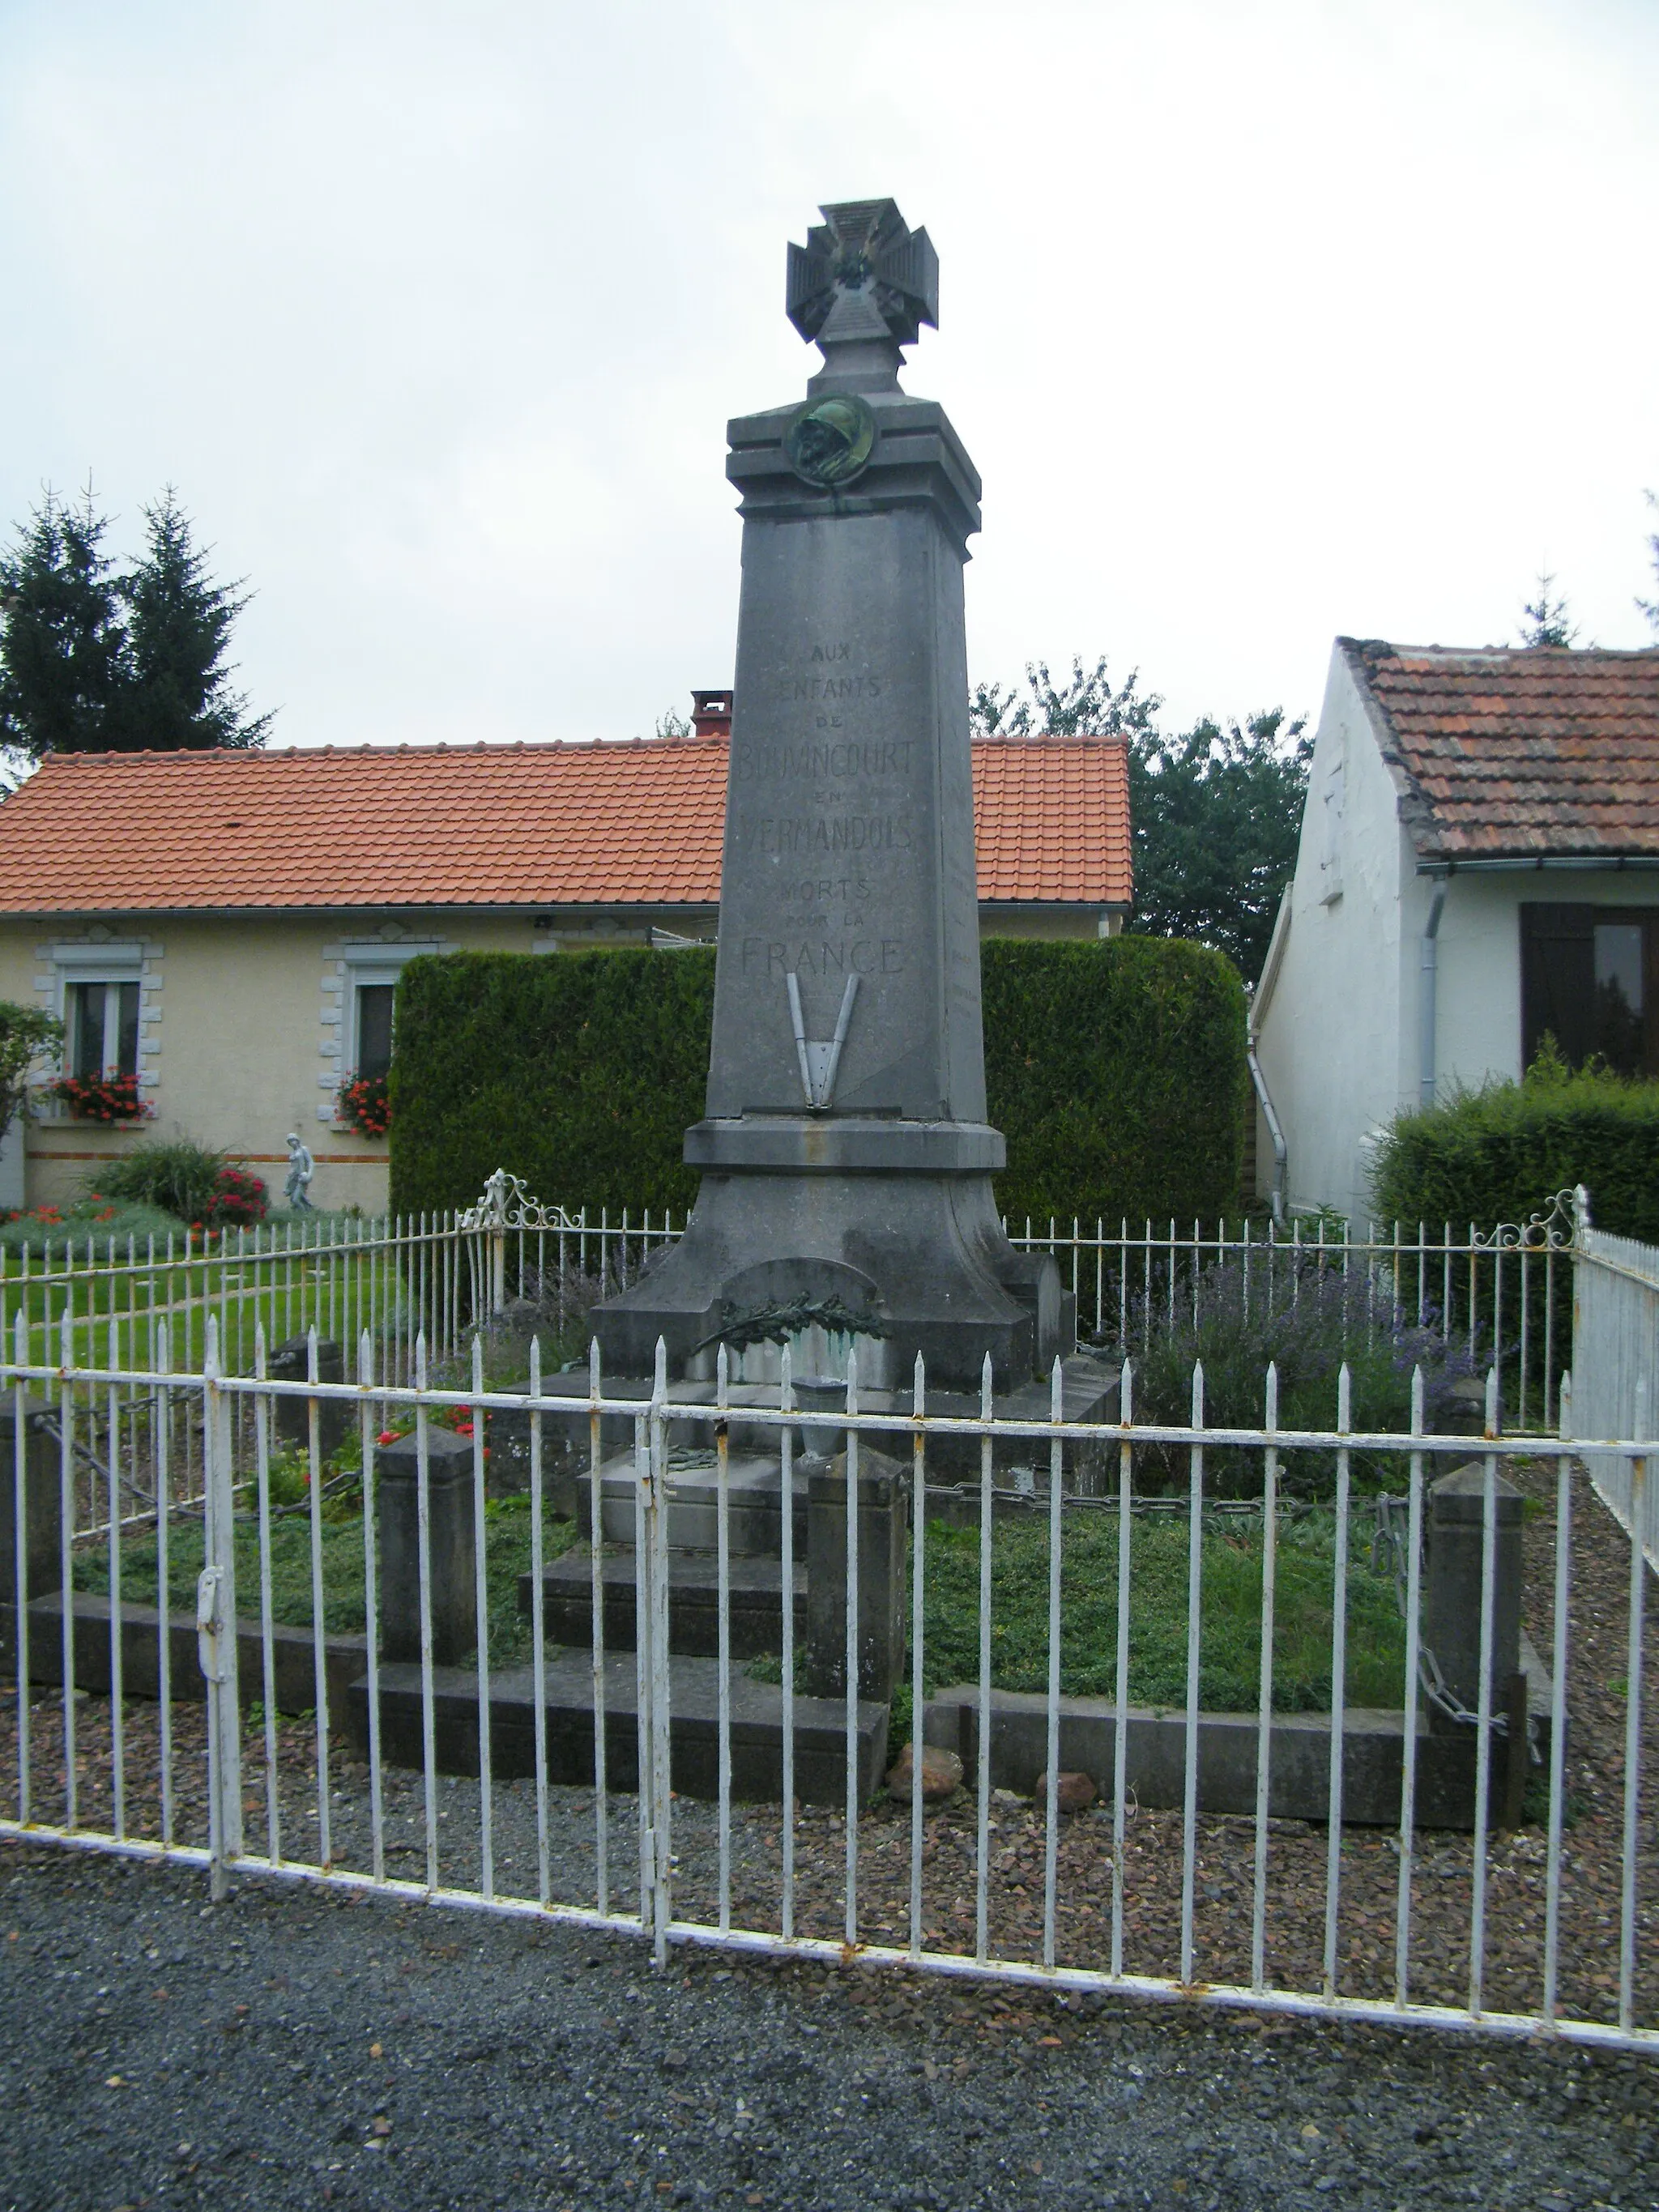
(451, 1547)
(884, 1493)
(1451, 1596)
(42, 1498)
(290, 1362)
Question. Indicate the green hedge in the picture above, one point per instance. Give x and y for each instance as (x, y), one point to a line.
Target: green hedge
(1116, 1070)
(579, 1071)
(1500, 1153)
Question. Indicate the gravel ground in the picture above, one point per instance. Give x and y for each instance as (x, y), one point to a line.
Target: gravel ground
(291, 2048)
(1442, 1890)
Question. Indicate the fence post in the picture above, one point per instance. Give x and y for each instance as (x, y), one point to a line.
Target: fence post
(216, 1624)
(651, 1614)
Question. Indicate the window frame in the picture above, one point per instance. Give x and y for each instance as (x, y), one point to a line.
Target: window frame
(115, 964)
(1557, 977)
(109, 1056)
(368, 980)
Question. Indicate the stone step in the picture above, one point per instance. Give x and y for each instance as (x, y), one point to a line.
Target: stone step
(756, 1615)
(820, 1728)
(1089, 1380)
(754, 1494)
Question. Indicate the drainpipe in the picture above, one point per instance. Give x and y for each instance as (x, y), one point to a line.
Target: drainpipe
(1431, 985)
(1281, 1155)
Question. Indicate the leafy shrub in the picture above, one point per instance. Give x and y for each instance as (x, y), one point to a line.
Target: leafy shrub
(196, 1185)
(1117, 1072)
(178, 1177)
(240, 1199)
(1307, 1318)
(1115, 1069)
(1502, 1153)
(26, 1034)
(581, 1074)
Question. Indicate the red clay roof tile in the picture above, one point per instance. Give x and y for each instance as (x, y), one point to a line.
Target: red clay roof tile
(615, 824)
(1512, 754)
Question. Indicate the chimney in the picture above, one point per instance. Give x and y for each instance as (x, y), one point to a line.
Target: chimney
(711, 713)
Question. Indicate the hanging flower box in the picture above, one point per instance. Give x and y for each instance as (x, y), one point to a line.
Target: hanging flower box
(100, 1097)
(362, 1105)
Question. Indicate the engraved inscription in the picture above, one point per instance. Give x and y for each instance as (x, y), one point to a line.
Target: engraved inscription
(823, 956)
(822, 890)
(806, 834)
(871, 756)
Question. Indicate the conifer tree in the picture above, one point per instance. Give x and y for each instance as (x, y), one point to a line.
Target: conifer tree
(92, 661)
(1545, 621)
(179, 624)
(63, 654)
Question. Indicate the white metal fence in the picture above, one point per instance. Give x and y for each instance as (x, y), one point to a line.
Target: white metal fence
(464, 1783)
(1499, 1293)
(1502, 1294)
(1616, 1365)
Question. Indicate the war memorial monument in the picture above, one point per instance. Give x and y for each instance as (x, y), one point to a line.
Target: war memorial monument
(845, 1207)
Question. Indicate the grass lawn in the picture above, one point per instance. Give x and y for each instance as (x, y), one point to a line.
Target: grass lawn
(1229, 1641)
(507, 1523)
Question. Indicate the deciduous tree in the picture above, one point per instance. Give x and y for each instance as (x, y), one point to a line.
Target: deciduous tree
(1215, 813)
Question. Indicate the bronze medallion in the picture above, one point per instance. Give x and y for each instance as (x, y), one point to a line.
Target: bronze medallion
(830, 441)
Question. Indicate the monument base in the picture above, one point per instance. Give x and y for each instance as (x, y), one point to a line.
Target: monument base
(893, 1219)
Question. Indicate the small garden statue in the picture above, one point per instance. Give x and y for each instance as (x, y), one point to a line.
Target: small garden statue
(300, 1168)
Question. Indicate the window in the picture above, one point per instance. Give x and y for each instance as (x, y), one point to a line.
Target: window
(373, 1055)
(1589, 976)
(102, 1019)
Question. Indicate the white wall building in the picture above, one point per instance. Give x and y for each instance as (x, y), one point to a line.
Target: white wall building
(1479, 864)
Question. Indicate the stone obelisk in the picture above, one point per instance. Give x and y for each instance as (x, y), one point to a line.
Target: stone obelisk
(845, 1153)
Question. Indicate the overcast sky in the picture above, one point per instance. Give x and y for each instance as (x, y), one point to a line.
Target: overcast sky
(1264, 320)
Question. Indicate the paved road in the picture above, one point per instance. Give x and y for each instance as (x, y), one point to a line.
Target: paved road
(290, 2049)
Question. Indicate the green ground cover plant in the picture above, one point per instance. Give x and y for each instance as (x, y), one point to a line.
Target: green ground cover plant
(508, 1552)
(1229, 1640)
(1230, 1643)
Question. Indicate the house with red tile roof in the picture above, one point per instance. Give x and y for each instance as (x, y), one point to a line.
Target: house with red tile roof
(229, 928)
(1479, 865)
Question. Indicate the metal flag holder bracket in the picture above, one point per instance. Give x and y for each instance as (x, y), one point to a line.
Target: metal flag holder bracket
(819, 1062)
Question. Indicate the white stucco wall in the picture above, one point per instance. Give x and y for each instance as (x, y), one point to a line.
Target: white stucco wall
(1329, 1033)
(1340, 1033)
(1478, 1014)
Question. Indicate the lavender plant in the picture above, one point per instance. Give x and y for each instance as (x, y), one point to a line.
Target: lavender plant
(1306, 1317)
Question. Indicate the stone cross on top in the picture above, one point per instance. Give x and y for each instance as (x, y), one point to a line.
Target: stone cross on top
(862, 285)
